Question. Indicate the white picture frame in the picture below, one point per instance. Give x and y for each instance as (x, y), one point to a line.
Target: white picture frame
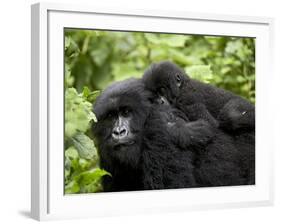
(48, 200)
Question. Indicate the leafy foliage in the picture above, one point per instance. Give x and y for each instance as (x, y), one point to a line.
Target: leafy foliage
(82, 172)
(94, 59)
(97, 58)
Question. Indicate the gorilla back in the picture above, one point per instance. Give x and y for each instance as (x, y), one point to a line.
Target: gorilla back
(141, 151)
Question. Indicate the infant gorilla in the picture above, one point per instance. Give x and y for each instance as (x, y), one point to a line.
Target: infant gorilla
(199, 100)
(185, 134)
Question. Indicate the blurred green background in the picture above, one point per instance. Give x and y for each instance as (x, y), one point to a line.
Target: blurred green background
(95, 59)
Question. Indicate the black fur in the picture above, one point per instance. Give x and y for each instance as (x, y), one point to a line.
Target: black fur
(199, 100)
(227, 160)
(157, 160)
(153, 161)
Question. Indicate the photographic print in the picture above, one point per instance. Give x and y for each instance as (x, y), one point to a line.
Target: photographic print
(162, 111)
(153, 111)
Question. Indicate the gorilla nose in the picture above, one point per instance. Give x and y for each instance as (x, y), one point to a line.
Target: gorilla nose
(119, 132)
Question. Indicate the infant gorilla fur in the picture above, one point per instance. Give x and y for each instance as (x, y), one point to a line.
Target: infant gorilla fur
(136, 146)
(199, 100)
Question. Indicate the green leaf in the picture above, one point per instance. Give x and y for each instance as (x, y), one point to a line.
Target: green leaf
(179, 57)
(158, 54)
(78, 113)
(71, 153)
(90, 176)
(99, 55)
(166, 39)
(85, 146)
(66, 42)
(84, 164)
(69, 80)
(90, 96)
(125, 71)
(72, 187)
(93, 96)
(174, 40)
(90, 181)
(200, 72)
(85, 92)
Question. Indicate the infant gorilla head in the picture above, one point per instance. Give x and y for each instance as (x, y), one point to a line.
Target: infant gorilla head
(165, 79)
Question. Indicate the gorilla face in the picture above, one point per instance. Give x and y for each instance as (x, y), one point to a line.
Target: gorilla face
(121, 133)
(165, 79)
(121, 111)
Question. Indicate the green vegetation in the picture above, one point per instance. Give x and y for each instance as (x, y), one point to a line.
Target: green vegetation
(95, 59)
(82, 173)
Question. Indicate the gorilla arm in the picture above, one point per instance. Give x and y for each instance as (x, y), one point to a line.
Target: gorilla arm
(195, 134)
(198, 111)
(165, 165)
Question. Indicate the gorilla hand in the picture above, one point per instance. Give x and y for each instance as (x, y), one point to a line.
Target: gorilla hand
(192, 134)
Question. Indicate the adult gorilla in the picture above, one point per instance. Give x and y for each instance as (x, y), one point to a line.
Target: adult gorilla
(139, 146)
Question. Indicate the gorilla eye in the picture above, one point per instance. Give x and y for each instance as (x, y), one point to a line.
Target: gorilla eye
(178, 78)
(126, 111)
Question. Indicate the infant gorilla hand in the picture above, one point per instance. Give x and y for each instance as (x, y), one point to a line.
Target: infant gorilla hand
(201, 132)
(196, 134)
(199, 111)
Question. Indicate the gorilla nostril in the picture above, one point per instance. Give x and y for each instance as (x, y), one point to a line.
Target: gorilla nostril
(123, 132)
(119, 132)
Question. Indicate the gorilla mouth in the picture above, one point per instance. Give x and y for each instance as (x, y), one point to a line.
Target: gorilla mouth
(120, 145)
